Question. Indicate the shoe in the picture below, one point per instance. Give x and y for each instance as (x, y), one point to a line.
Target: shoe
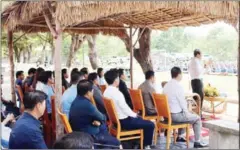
(181, 139)
(199, 145)
(147, 147)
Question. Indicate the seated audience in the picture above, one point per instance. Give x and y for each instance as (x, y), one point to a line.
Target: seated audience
(19, 78)
(44, 84)
(9, 105)
(65, 83)
(6, 130)
(178, 107)
(71, 93)
(100, 73)
(26, 133)
(97, 94)
(123, 88)
(85, 117)
(29, 80)
(148, 88)
(75, 140)
(84, 71)
(39, 70)
(129, 120)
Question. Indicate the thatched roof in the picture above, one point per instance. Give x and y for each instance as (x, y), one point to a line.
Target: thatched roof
(105, 16)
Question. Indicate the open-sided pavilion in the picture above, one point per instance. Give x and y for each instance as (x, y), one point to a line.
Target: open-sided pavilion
(120, 18)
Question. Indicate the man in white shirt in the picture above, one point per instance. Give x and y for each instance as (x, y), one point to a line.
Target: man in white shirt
(178, 107)
(196, 71)
(128, 119)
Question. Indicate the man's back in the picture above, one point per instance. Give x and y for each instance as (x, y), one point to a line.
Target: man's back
(26, 134)
(175, 94)
(147, 90)
(68, 97)
(82, 114)
(195, 68)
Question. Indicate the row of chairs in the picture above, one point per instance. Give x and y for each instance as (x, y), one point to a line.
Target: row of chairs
(115, 129)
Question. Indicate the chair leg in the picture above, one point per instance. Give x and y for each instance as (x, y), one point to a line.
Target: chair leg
(168, 138)
(187, 136)
(155, 134)
(141, 141)
(175, 136)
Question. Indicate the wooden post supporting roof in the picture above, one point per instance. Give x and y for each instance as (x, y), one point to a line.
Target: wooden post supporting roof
(131, 57)
(238, 60)
(11, 62)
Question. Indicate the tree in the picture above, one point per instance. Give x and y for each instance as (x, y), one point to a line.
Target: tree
(92, 53)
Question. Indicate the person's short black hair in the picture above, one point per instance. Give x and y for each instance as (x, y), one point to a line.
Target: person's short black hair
(75, 140)
(110, 76)
(196, 52)
(19, 73)
(32, 71)
(92, 76)
(175, 71)
(31, 99)
(75, 77)
(149, 74)
(44, 76)
(83, 87)
(120, 72)
(99, 70)
(74, 70)
(84, 70)
(64, 71)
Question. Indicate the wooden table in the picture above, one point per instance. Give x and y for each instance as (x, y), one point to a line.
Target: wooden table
(221, 100)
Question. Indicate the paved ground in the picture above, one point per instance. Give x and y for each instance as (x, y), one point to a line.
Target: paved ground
(161, 143)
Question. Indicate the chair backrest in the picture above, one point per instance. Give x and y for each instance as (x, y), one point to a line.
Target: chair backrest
(112, 114)
(20, 93)
(161, 103)
(53, 117)
(65, 122)
(93, 101)
(103, 88)
(137, 101)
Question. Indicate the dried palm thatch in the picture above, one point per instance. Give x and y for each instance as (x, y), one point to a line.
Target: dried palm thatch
(103, 16)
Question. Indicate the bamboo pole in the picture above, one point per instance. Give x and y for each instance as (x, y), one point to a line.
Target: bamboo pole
(11, 62)
(238, 60)
(131, 57)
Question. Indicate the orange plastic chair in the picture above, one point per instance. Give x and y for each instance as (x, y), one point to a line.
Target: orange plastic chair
(47, 132)
(163, 110)
(65, 122)
(138, 106)
(103, 88)
(20, 92)
(115, 126)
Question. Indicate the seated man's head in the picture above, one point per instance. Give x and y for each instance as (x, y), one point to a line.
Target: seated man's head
(46, 77)
(85, 88)
(75, 140)
(121, 74)
(149, 75)
(112, 78)
(93, 78)
(85, 72)
(35, 103)
(20, 75)
(100, 72)
(64, 74)
(176, 73)
(31, 72)
(75, 78)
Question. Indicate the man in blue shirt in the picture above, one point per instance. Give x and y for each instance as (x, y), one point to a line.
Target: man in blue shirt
(85, 117)
(26, 133)
(71, 93)
(19, 78)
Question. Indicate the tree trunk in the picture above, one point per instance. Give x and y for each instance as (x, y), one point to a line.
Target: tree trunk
(41, 59)
(77, 41)
(29, 50)
(18, 54)
(141, 54)
(52, 52)
(92, 54)
(24, 56)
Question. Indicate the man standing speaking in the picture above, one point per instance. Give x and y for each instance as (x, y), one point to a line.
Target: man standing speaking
(196, 71)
